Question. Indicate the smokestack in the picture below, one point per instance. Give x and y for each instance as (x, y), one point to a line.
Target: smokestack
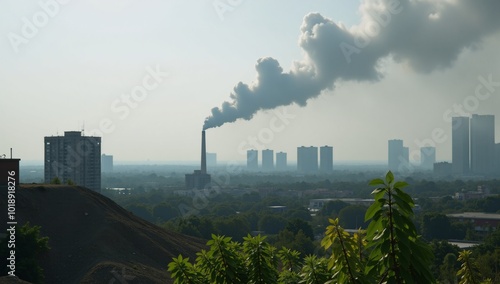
(203, 154)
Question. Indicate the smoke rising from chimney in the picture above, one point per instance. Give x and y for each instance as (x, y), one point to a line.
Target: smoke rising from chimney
(426, 35)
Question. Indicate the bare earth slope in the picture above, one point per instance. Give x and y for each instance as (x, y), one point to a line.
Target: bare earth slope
(94, 240)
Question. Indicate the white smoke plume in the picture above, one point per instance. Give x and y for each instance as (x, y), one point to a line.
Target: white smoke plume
(424, 34)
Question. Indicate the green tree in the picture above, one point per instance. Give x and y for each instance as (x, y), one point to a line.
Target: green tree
(436, 226)
(352, 217)
(468, 272)
(448, 271)
(29, 247)
(164, 212)
(389, 252)
(398, 254)
(55, 180)
(272, 223)
(296, 225)
(332, 208)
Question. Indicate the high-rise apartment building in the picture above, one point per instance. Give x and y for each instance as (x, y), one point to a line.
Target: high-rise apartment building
(252, 160)
(281, 163)
(399, 156)
(497, 157)
(267, 160)
(106, 163)
(307, 159)
(427, 158)
(482, 144)
(326, 159)
(460, 145)
(75, 158)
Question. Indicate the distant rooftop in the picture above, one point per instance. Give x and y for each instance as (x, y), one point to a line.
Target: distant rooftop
(475, 215)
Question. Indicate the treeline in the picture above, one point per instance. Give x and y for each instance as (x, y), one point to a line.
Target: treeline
(390, 250)
(295, 228)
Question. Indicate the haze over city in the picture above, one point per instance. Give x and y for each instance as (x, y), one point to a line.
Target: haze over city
(303, 64)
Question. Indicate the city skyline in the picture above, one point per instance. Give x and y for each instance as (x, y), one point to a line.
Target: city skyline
(92, 75)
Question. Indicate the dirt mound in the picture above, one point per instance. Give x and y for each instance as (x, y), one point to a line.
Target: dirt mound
(94, 240)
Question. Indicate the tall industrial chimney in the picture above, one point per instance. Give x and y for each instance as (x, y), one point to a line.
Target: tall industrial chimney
(203, 154)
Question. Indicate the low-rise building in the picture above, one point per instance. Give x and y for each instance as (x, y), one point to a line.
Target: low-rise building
(482, 222)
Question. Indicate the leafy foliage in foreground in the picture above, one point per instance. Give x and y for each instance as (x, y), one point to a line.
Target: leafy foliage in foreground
(390, 251)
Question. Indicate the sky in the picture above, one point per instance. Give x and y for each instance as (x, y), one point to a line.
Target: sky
(148, 76)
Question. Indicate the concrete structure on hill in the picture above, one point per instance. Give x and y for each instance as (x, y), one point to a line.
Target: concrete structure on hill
(106, 163)
(252, 160)
(73, 158)
(307, 159)
(281, 161)
(200, 179)
(267, 160)
(326, 159)
(9, 172)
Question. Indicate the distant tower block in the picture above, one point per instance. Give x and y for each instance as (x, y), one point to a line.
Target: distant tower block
(482, 144)
(281, 163)
(326, 159)
(399, 156)
(267, 160)
(252, 160)
(73, 157)
(106, 163)
(199, 179)
(460, 145)
(307, 159)
(427, 158)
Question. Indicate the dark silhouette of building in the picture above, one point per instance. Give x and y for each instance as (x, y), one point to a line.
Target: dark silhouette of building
(398, 158)
(106, 163)
(200, 179)
(307, 159)
(460, 145)
(482, 144)
(442, 169)
(497, 158)
(281, 161)
(9, 171)
(267, 160)
(252, 160)
(427, 157)
(73, 158)
(326, 159)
